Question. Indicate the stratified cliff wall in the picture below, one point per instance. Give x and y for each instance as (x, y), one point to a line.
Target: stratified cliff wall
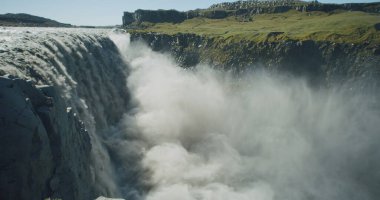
(240, 8)
(139, 16)
(286, 5)
(324, 62)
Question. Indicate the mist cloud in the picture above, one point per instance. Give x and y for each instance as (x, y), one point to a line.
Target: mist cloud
(207, 134)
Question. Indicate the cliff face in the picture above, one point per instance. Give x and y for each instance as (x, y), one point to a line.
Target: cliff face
(241, 8)
(283, 6)
(168, 16)
(325, 62)
(45, 147)
(139, 16)
(327, 43)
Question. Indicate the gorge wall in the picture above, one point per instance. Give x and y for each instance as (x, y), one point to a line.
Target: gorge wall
(86, 113)
(213, 134)
(324, 62)
(45, 148)
(240, 8)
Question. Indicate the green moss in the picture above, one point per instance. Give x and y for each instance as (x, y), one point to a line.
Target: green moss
(338, 26)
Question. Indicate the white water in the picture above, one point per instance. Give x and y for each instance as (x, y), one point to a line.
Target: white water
(82, 64)
(210, 135)
(203, 134)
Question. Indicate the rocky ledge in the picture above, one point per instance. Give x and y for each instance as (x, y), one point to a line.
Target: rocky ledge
(321, 61)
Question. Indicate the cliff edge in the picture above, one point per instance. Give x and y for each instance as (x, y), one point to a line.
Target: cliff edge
(326, 42)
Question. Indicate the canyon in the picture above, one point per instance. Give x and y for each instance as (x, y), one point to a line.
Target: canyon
(243, 100)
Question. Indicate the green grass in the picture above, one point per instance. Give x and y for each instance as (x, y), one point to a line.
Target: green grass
(338, 26)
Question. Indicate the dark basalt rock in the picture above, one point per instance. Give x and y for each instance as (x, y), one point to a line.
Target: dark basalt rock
(128, 18)
(283, 6)
(154, 16)
(37, 157)
(376, 51)
(377, 26)
(215, 14)
(26, 161)
(246, 8)
(323, 62)
(274, 34)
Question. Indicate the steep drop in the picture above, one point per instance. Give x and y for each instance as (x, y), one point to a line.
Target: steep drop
(87, 79)
(101, 115)
(212, 134)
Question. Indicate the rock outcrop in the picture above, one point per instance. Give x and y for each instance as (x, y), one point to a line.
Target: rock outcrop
(241, 8)
(154, 16)
(278, 6)
(52, 128)
(324, 62)
(45, 149)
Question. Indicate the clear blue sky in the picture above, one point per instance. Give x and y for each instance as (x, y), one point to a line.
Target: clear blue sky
(104, 12)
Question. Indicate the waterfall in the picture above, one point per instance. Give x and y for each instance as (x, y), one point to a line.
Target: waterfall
(159, 131)
(87, 70)
(212, 134)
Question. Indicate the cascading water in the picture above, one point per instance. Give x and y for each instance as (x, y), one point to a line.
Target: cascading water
(211, 135)
(163, 132)
(88, 72)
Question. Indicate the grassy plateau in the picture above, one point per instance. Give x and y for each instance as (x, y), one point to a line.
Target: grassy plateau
(339, 26)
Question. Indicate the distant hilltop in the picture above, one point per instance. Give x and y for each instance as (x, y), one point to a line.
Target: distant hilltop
(23, 19)
(239, 8)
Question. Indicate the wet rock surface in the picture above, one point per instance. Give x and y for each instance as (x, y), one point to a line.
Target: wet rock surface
(38, 157)
(60, 96)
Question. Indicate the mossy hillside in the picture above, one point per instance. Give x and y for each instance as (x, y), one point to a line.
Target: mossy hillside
(338, 26)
